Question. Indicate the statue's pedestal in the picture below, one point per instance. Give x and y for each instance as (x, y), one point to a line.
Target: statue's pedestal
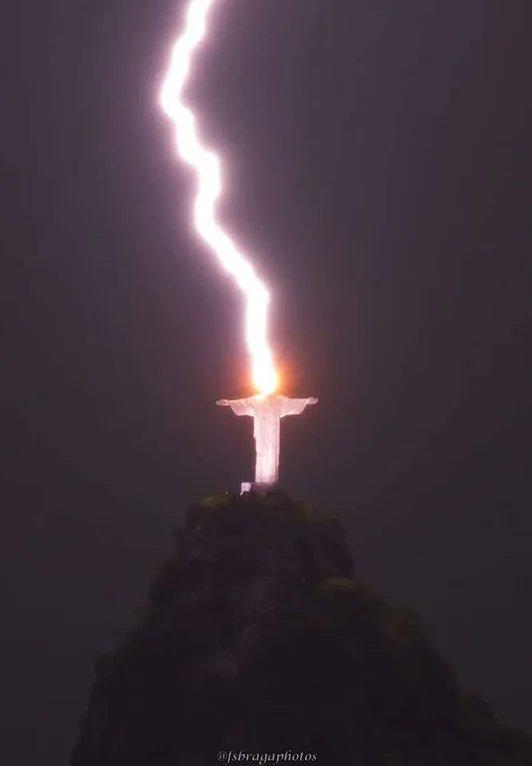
(252, 486)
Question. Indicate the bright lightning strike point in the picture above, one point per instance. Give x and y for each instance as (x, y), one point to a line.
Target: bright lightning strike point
(207, 167)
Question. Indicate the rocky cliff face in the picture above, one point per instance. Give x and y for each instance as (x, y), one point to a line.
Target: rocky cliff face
(258, 639)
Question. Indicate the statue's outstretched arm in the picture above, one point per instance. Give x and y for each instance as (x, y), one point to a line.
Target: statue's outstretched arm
(239, 406)
(296, 406)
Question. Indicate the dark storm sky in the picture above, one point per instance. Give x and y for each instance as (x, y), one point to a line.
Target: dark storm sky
(377, 157)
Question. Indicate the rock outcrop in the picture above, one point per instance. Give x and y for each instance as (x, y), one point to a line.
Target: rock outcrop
(259, 639)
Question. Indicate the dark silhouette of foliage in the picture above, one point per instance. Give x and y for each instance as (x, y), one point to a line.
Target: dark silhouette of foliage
(259, 637)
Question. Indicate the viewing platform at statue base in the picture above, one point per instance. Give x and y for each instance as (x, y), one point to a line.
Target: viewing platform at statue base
(252, 486)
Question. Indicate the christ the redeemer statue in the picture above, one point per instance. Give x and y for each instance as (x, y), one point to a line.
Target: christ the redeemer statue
(266, 412)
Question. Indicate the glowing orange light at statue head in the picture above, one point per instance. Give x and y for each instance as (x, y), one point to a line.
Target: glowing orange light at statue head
(208, 172)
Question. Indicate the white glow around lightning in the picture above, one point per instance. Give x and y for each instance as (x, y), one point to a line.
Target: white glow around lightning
(207, 167)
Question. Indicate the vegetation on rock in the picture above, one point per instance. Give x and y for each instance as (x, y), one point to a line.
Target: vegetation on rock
(259, 637)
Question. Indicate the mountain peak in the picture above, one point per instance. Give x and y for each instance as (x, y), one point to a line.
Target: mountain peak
(259, 638)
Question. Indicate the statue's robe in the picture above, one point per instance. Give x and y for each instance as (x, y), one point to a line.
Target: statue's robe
(267, 412)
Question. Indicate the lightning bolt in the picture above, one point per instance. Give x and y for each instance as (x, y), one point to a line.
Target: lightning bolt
(206, 165)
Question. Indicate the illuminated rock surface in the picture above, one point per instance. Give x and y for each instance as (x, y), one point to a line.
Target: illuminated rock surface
(258, 637)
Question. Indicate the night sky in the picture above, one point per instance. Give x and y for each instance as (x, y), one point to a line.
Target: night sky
(377, 157)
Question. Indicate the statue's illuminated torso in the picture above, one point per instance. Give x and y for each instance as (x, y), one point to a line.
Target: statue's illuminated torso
(267, 412)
